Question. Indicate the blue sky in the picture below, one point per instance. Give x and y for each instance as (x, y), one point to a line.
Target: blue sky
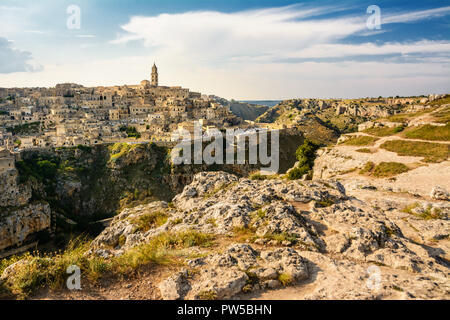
(235, 49)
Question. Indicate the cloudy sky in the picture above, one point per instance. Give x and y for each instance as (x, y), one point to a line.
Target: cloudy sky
(235, 49)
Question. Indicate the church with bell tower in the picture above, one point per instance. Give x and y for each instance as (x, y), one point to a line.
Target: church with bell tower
(154, 75)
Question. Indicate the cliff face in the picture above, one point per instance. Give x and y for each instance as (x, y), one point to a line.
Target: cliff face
(91, 183)
(20, 223)
(13, 194)
(20, 218)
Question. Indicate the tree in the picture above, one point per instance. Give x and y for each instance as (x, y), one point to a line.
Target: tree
(306, 154)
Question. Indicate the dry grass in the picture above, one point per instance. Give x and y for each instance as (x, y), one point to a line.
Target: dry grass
(365, 150)
(150, 220)
(285, 279)
(442, 116)
(431, 152)
(384, 169)
(426, 214)
(429, 132)
(49, 271)
(360, 141)
(384, 131)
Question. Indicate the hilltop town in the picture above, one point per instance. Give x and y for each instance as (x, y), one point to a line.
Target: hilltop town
(70, 114)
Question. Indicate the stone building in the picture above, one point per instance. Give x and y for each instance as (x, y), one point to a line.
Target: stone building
(154, 75)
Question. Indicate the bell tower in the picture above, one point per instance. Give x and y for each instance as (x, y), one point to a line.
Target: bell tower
(154, 75)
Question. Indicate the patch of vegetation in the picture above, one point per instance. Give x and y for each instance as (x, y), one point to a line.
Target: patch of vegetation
(384, 169)
(324, 203)
(384, 131)
(261, 214)
(283, 236)
(162, 249)
(405, 117)
(432, 152)
(118, 150)
(251, 281)
(429, 132)
(360, 141)
(43, 168)
(388, 169)
(177, 221)
(285, 279)
(25, 129)
(259, 176)
(427, 214)
(224, 187)
(365, 150)
(306, 154)
(49, 271)
(368, 168)
(397, 288)
(440, 102)
(212, 221)
(131, 132)
(244, 233)
(442, 116)
(207, 295)
(148, 221)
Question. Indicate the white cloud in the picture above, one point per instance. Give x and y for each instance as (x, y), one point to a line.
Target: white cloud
(266, 34)
(240, 55)
(13, 60)
(416, 15)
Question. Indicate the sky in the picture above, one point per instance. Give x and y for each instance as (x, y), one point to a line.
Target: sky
(245, 50)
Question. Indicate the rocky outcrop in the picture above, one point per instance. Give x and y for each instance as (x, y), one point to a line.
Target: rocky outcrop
(291, 228)
(221, 203)
(17, 224)
(239, 268)
(439, 193)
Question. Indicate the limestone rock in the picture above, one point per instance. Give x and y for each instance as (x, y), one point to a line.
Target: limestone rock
(439, 193)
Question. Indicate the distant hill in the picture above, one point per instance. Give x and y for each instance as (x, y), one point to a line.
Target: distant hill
(244, 110)
(269, 103)
(247, 111)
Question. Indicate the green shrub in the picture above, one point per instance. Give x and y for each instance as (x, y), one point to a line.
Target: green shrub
(207, 295)
(298, 172)
(285, 279)
(131, 132)
(306, 154)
